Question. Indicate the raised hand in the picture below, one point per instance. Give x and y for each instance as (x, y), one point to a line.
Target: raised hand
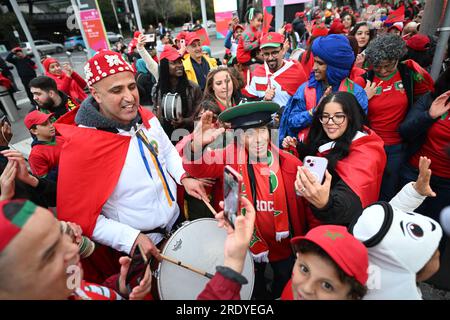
(238, 239)
(289, 142)
(422, 184)
(140, 41)
(315, 193)
(206, 131)
(7, 181)
(440, 105)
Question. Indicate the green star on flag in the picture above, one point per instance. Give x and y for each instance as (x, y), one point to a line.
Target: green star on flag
(333, 235)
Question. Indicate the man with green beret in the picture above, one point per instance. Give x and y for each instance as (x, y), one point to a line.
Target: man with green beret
(268, 182)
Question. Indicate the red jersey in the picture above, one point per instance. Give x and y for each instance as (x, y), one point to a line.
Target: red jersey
(285, 80)
(437, 140)
(248, 42)
(388, 108)
(44, 156)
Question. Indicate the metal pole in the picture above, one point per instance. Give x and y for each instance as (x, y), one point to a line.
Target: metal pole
(431, 16)
(190, 9)
(204, 17)
(128, 15)
(137, 15)
(76, 11)
(117, 18)
(279, 14)
(441, 45)
(28, 35)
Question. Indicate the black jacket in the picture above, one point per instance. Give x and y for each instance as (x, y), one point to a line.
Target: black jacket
(25, 66)
(414, 127)
(145, 83)
(343, 206)
(4, 68)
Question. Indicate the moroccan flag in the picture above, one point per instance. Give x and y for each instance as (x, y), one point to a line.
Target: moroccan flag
(396, 16)
(203, 35)
(267, 21)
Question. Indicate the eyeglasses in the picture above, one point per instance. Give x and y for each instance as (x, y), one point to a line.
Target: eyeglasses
(338, 118)
(273, 54)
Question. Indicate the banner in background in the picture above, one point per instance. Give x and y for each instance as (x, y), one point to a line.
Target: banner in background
(272, 3)
(92, 21)
(203, 35)
(223, 14)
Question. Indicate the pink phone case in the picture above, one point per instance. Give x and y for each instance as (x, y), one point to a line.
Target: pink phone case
(239, 180)
(317, 166)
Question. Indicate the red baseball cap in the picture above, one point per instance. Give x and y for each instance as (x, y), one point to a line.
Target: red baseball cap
(288, 27)
(319, 30)
(169, 53)
(16, 49)
(272, 40)
(36, 117)
(181, 35)
(337, 27)
(345, 250)
(418, 42)
(238, 26)
(191, 37)
(300, 14)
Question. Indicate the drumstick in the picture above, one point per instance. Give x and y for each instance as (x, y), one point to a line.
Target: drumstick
(210, 207)
(190, 268)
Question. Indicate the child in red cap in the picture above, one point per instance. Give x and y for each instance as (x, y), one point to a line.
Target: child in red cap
(331, 265)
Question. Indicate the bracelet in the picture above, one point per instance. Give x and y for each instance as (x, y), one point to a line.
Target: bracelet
(184, 175)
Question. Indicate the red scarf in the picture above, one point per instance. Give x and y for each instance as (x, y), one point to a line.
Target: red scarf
(364, 180)
(270, 196)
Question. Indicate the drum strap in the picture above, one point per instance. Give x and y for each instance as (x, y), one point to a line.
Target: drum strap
(160, 230)
(143, 139)
(252, 178)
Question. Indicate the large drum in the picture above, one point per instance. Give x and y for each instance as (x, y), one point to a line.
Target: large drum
(171, 106)
(200, 244)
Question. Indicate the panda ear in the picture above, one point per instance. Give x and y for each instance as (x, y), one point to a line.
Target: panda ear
(373, 224)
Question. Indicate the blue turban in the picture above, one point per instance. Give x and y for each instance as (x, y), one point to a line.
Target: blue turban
(207, 50)
(141, 66)
(337, 53)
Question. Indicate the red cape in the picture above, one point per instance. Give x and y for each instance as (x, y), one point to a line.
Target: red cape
(89, 168)
(287, 292)
(362, 170)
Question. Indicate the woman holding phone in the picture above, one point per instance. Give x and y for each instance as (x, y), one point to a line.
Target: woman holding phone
(356, 161)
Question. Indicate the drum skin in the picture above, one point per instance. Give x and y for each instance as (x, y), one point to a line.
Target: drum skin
(200, 244)
(171, 106)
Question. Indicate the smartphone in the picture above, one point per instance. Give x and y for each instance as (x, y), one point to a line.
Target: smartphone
(150, 37)
(138, 266)
(317, 166)
(232, 184)
(183, 42)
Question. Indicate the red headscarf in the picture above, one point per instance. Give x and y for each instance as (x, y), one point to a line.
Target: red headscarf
(72, 86)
